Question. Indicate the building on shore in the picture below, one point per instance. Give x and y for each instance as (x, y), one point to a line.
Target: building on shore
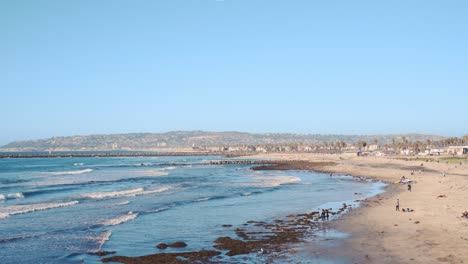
(457, 150)
(437, 151)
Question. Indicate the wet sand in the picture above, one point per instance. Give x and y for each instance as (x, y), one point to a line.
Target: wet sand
(434, 232)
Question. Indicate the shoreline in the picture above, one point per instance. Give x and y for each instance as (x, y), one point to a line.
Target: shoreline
(272, 238)
(434, 232)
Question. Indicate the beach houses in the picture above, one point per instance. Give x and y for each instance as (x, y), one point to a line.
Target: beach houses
(457, 150)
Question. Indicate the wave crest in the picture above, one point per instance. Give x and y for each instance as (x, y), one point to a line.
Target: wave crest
(27, 208)
(131, 192)
(120, 219)
(71, 172)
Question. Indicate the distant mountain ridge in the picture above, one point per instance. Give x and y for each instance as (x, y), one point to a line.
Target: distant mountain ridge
(175, 139)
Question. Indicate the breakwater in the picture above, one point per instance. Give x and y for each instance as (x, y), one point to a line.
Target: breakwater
(106, 154)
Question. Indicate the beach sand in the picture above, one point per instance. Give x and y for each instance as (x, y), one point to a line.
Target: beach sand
(434, 233)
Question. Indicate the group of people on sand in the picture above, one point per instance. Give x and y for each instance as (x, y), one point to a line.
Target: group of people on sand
(325, 214)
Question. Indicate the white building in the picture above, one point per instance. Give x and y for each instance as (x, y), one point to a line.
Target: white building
(457, 150)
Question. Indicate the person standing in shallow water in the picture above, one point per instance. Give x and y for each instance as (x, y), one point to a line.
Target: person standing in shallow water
(327, 214)
(397, 206)
(323, 215)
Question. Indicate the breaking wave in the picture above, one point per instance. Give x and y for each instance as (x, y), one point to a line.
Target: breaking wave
(102, 238)
(202, 199)
(18, 195)
(168, 168)
(122, 203)
(71, 172)
(27, 208)
(120, 219)
(155, 173)
(131, 192)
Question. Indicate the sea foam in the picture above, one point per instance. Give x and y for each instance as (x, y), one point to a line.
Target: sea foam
(120, 219)
(122, 203)
(27, 208)
(155, 173)
(202, 199)
(17, 195)
(71, 172)
(102, 238)
(273, 181)
(124, 193)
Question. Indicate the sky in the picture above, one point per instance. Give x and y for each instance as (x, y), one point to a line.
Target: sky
(316, 67)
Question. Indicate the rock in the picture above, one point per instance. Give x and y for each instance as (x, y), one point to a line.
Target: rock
(104, 253)
(178, 244)
(226, 225)
(235, 247)
(192, 257)
(162, 246)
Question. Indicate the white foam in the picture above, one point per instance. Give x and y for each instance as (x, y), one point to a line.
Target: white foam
(17, 195)
(125, 193)
(157, 210)
(168, 168)
(273, 181)
(155, 173)
(162, 189)
(2, 197)
(102, 195)
(120, 219)
(27, 208)
(201, 199)
(71, 172)
(122, 203)
(78, 164)
(102, 239)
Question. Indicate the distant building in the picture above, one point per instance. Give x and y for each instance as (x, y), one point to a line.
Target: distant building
(457, 150)
(435, 151)
(372, 147)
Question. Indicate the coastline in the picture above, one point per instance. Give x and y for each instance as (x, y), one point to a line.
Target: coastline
(434, 233)
(272, 238)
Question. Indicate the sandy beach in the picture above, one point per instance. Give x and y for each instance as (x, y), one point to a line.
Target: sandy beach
(434, 232)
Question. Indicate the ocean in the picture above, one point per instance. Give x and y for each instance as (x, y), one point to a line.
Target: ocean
(62, 210)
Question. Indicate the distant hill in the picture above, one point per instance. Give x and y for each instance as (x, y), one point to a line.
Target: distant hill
(142, 141)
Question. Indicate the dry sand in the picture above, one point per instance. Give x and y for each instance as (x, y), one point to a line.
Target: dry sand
(434, 233)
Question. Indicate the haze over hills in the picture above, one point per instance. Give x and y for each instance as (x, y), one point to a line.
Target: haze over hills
(177, 139)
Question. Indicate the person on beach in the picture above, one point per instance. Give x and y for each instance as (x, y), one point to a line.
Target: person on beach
(409, 186)
(323, 215)
(327, 214)
(397, 207)
(412, 172)
(443, 173)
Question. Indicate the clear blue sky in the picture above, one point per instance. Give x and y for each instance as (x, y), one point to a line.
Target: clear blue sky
(347, 67)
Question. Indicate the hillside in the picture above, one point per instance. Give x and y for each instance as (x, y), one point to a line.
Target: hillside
(142, 141)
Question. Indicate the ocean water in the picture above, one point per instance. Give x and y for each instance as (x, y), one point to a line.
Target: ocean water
(61, 210)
